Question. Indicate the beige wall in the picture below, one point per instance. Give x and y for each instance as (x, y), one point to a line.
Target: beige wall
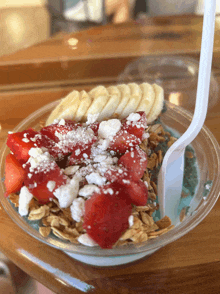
(19, 3)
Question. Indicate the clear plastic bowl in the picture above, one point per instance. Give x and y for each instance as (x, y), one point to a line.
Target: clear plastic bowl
(208, 159)
(177, 75)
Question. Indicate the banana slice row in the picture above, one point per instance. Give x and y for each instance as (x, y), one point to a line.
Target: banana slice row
(111, 102)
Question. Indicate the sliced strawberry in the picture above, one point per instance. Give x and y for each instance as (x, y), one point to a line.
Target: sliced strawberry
(137, 191)
(116, 174)
(106, 215)
(136, 127)
(55, 131)
(123, 141)
(80, 139)
(21, 142)
(79, 155)
(58, 152)
(38, 178)
(135, 162)
(14, 175)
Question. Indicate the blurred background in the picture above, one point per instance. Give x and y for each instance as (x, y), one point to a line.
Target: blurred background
(27, 22)
(24, 23)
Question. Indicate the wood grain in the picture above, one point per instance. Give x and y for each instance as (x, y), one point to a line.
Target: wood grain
(191, 264)
(98, 49)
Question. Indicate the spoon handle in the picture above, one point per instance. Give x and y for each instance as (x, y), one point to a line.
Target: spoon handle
(205, 65)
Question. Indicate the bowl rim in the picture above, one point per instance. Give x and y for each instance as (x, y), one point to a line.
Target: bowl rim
(165, 239)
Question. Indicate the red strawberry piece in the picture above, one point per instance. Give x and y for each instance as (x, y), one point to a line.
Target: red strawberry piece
(116, 174)
(94, 127)
(123, 141)
(135, 162)
(55, 131)
(14, 175)
(59, 152)
(37, 180)
(80, 140)
(21, 142)
(136, 127)
(79, 155)
(137, 191)
(106, 215)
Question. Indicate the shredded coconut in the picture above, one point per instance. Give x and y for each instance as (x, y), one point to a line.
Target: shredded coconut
(24, 199)
(40, 161)
(67, 193)
(91, 118)
(131, 221)
(86, 240)
(77, 152)
(77, 209)
(109, 128)
(145, 136)
(35, 152)
(108, 191)
(88, 190)
(51, 185)
(62, 122)
(95, 178)
(133, 117)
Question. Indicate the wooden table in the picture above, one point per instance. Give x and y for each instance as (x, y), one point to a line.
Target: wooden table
(45, 72)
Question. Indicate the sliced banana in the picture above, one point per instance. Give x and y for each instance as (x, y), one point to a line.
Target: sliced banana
(113, 90)
(148, 97)
(66, 109)
(115, 101)
(97, 92)
(99, 97)
(112, 103)
(135, 98)
(158, 103)
(85, 102)
(125, 96)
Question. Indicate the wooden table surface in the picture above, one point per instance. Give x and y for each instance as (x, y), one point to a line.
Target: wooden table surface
(45, 72)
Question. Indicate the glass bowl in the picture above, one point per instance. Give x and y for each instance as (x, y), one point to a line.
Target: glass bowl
(208, 158)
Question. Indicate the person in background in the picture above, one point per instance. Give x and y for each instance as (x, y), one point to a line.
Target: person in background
(119, 10)
(74, 15)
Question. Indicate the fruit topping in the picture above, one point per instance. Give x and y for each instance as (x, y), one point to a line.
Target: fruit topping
(106, 215)
(116, 174)
(135, 124)
(21, 142)
(81, 152)
(14, 175)
(136, 191)
(57, 130)
(123, 141)
(43, 175)
(94, 170)
(75, 142)
(135, 162)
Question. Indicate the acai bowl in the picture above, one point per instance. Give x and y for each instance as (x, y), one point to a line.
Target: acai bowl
(193, 208)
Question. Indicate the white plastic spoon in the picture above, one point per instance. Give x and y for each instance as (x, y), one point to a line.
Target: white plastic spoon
(171, 173)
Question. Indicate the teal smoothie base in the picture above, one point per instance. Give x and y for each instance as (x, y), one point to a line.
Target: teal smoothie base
(105, 261)
(191, 174)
